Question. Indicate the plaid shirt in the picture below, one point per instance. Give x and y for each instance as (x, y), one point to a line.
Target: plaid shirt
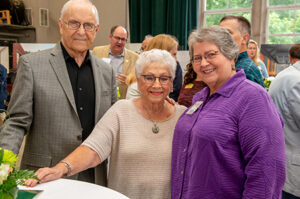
(251, 70)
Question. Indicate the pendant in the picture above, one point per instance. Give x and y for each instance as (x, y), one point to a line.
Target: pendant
(155, 129)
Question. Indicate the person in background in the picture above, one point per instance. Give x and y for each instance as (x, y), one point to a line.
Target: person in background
(132, 90)
(145, 43)
(169, 43)
(3, 92)
(136, 134)
(285, 92)
(192, 85)
(163, 42)
(121, 59)
(230, 142)
(240, 29)
(253, 53)
(3, 87)
(60, 94)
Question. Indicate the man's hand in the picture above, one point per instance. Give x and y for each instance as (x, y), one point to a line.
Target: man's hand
(121, 79)
(170, 100)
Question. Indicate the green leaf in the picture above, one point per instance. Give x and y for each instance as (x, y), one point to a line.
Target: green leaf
(9, 157)
(1, 155)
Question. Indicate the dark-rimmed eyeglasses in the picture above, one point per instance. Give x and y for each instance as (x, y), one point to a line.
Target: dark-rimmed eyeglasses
(150, 79)
(119, 38)
(208, 57)
(75, 25)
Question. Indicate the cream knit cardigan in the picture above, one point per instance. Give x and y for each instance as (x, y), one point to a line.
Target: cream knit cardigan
(140, 161)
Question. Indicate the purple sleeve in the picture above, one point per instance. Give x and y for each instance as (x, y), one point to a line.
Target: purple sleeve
(262, 144)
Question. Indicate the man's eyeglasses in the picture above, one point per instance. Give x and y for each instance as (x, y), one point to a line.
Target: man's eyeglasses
(75, 25)
(119, 38)
(163, 80)
(208, 57)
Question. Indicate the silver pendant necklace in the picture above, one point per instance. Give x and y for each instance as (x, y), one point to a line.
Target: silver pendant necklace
(155, 128)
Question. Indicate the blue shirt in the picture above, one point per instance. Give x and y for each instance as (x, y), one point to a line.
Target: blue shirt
(251, 70)
(3, 89)
(231, 146)
(117, 61)
(263, 68)
(177, 83)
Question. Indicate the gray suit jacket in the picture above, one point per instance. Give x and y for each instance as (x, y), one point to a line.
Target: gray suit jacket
(285, 92)
(43, 106)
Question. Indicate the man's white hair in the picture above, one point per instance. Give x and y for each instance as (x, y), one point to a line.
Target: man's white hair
(94, 9)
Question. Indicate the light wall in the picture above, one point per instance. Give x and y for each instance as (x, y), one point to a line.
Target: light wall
(4, 57)
(110, 12)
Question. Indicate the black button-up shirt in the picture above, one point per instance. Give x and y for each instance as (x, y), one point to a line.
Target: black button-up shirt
(82, 81)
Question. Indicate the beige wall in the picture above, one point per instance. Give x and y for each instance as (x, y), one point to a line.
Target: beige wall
(110, 12)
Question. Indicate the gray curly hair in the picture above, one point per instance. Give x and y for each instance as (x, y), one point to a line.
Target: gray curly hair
(218, 36)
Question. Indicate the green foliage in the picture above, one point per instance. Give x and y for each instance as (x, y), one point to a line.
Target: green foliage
(283, 22)
(280, 2)
(214, 19)
(280, 21)
(267, 83)
(22, 175)
(16, 177)
(8, 157)
(216, 4)
(222, 4)
(297, 27)
(240, 3)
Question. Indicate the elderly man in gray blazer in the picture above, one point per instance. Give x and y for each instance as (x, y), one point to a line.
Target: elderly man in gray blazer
(285, 92)
(59, 94)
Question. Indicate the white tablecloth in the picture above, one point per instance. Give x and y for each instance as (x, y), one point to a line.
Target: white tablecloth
(65, 188)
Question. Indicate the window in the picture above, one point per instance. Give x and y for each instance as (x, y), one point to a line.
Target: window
(216, 9)
(284, 22)
(28, 13)
(44, 17)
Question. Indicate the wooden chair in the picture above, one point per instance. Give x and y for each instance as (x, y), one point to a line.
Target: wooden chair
(4, 16)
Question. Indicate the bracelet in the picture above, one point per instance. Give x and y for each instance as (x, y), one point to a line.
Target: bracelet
(67, 164)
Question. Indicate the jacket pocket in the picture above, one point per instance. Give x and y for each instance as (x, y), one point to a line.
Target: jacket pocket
(106, 93)
(296, 160)
(36, 160)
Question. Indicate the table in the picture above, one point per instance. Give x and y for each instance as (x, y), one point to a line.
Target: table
(66, 188)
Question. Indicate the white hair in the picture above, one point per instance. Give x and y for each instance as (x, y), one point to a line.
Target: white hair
(94, 9)
(155, 55)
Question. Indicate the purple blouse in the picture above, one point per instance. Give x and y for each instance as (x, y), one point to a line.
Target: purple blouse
(231, 146)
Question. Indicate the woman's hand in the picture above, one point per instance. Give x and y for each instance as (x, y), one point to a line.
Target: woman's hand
(47, 174)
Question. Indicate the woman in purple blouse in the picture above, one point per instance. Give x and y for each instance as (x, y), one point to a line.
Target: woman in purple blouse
(230, 142)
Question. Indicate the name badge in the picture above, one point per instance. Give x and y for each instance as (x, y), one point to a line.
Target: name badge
(190, 85)
(194, 107)
(106, 60)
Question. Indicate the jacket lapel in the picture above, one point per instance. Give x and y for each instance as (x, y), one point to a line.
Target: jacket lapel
(126, 63)
(58, 64)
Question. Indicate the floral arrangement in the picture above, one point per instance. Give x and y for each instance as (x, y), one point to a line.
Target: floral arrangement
(10, 176)
(268, 81)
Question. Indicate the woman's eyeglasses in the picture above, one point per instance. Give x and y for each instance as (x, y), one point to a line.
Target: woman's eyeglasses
(208, 57)
(150, 79)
